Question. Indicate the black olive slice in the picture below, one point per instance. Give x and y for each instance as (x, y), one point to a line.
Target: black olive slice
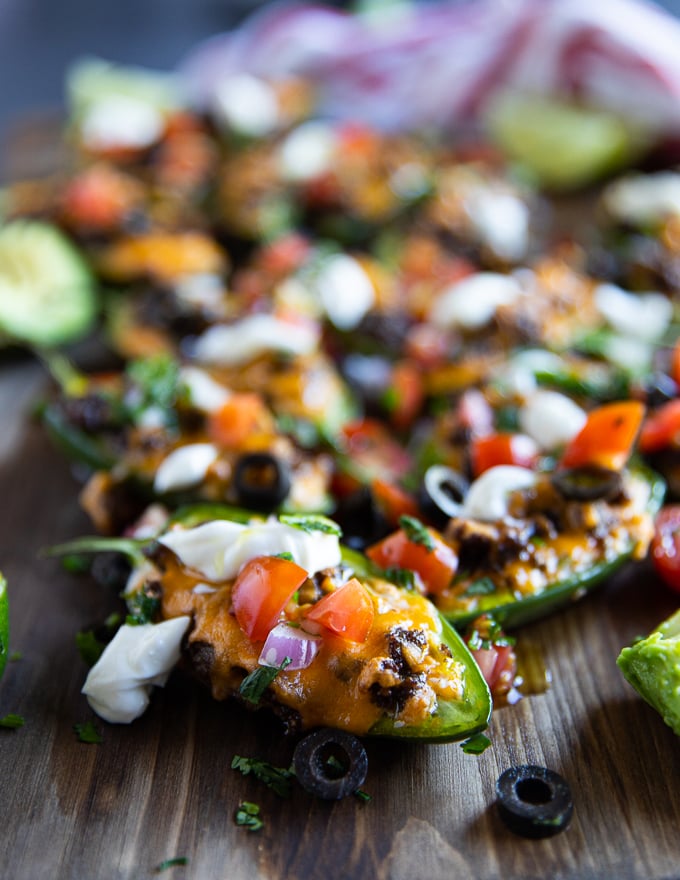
(534, 801)
(261, 481)
(588, 483)
(330, 764)
(361, 521)
(442, 493)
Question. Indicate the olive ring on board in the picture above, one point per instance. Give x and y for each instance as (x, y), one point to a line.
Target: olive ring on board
(330, 764)
(534, 801)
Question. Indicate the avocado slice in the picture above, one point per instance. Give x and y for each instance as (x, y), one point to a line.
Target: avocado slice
(47, 292)
(652, 666)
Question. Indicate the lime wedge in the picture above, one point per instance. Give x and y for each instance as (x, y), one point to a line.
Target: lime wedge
(47, 293)
(563, 145)
(4, 625)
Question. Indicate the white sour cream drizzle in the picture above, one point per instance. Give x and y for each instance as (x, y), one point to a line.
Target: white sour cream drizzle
(487, 498)
(186, 466)
(119, 684)
(238, 343)
(218, 550)
(472, 302)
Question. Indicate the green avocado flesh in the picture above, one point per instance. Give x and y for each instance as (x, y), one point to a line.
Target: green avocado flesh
(652, 667)
(47, 293)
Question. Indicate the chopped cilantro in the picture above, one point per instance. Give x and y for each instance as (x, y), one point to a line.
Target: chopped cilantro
(276, 778)
(481, 587)
(89, 646)
(416, 532)
(362, 796)
(171, 863)
(285, 555)
(488, 635)
(402, 577)
(476, 744)
(88, 733)
(12, 721)
(155, 381)
(305, 433)
(76, 563)
(311, 523)
(254, 685)
(143, 608)
(507, 418)
(537, 541)
(248, 815)
(390, 399)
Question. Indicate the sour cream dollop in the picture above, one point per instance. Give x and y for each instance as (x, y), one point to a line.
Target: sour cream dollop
(204, 392)
(551, 419)
(487, 498)
(238, 343)
(643, 316)
(472, 302)
(185, 467)
(218, 550)
(119, 684)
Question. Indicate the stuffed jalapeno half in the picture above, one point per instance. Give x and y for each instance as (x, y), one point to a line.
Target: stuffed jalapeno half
(268, 612)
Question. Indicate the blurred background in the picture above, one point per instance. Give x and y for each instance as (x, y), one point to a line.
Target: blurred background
(40, 38)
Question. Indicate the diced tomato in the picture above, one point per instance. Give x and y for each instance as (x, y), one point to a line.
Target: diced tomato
(665, 547)
(347, 612)
(285, 255)
(98, 198)
(393, 501)
(494, 661)
(493, 653)
(358, 139)
(263, 587)
(497, 449)
(607, 438)
(661, 428)
(240, 417)
(406, 393)
(435, 567)
(372, 449)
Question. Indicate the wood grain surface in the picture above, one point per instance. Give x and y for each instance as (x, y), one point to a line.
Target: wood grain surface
(163, 788)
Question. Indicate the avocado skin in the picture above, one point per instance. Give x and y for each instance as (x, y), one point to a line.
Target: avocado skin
(652, 667)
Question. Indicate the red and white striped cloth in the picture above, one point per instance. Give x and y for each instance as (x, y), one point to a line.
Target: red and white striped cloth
(440, 64)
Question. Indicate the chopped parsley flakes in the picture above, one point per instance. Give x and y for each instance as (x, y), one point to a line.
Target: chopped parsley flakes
(89, 646)
(254, 685)
(248, 815)
(276, 778)
(416, 532)
(171, 863)
(483, 586)
(143, 608)
(311, 523)
(12, 721)
(88, 733)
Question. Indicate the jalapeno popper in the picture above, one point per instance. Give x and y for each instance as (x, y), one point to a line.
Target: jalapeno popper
(267, 611)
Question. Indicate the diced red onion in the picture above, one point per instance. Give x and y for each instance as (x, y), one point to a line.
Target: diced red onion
(492, 661)
(289, 641)
(445, 63)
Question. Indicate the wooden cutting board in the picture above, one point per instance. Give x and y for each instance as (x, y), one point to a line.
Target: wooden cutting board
(162, 787)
